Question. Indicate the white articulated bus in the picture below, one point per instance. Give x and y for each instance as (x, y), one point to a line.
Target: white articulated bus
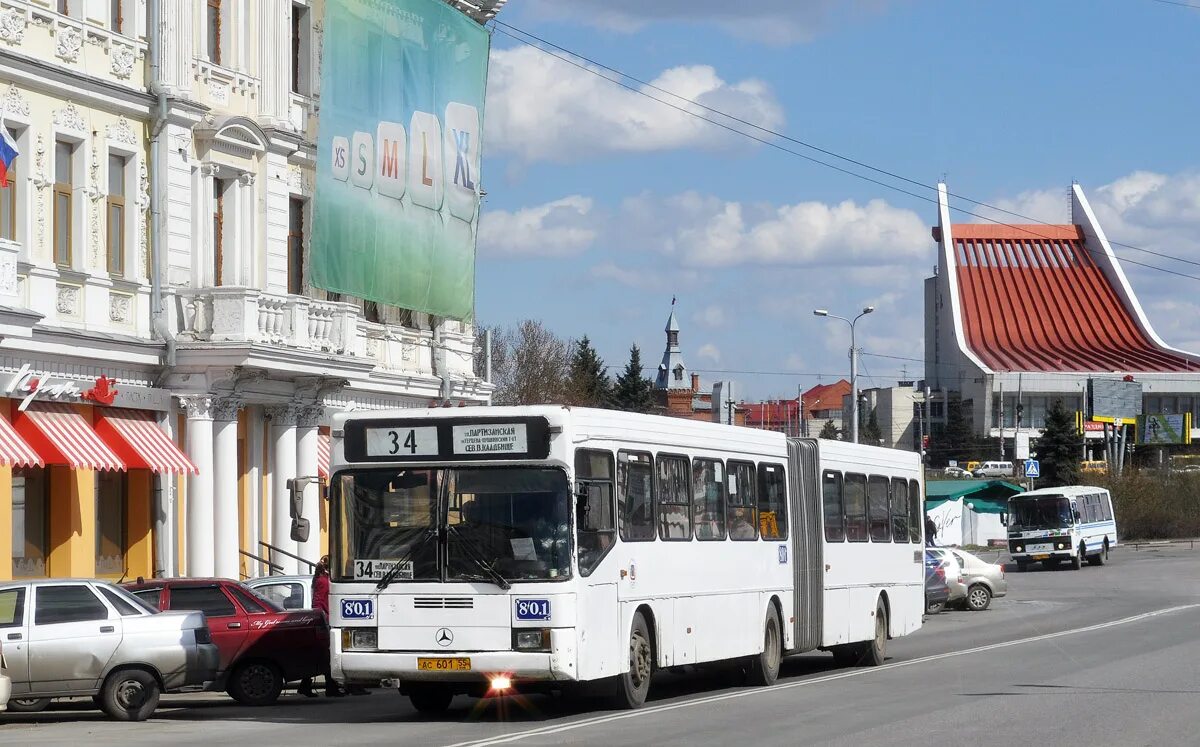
(517, 548)
(1069, 523)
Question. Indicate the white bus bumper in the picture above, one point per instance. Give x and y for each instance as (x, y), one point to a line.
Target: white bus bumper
(370, 667)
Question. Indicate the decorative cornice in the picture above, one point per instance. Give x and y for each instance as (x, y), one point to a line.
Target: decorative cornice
(310, 416)
(197, 406)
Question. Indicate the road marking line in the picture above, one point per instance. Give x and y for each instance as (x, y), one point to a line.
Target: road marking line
(598, 720)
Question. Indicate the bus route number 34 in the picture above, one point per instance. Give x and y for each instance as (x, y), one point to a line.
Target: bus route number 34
(402, 442)
(533, 609)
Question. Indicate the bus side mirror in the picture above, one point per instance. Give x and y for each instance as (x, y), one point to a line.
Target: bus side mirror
(1004, 519)
(300, 530)
(295, 487)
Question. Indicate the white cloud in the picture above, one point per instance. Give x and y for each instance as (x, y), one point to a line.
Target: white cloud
(543, 109)
(764, 21)
(556, 229)
(709, 352)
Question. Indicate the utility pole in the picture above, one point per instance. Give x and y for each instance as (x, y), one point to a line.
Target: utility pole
(1001, 421)
(853, 365)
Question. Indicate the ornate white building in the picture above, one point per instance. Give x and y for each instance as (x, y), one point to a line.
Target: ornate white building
(155, 234)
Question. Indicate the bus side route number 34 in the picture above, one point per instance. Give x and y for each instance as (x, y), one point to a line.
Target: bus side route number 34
(533, 609)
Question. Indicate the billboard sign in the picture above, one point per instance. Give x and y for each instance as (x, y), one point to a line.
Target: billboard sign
(1113, 399)
(1164, 429)
(397, 203)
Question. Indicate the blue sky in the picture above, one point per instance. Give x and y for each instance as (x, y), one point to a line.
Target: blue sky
(602, 204)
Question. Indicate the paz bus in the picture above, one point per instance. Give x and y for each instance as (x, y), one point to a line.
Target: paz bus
(1072, 523)
(511, 549)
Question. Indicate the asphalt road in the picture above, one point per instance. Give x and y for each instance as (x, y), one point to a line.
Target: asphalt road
(1102, 656)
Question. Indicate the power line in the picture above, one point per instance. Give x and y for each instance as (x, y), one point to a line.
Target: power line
(1177, 2)
(505, 28)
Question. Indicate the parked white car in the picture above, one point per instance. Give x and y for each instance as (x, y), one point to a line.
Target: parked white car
(5, 682)
(72, 638)
(994, 469)
(289, 592)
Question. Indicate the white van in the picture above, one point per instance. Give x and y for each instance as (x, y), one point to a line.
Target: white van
(994, 469)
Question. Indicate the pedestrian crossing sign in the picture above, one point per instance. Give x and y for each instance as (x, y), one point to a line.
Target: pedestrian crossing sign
(1033, 468)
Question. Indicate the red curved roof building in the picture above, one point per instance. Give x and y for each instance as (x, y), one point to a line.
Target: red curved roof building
(1041, 309)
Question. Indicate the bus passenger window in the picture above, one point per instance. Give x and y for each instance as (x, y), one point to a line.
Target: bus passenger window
(831, 498)
(708, 499)
(635, 496)
(899, 510)
(916, 514)
(855, 492)
(594, 507)
(772, 502)
(1106, 507)
(743, 502)
(877, 509)
(674, 499)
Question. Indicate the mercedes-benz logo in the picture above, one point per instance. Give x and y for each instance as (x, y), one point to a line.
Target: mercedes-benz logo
(444, 637)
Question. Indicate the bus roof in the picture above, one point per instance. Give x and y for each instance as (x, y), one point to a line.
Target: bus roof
(1070, 491)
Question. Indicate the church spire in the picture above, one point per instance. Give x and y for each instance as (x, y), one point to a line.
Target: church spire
(672, 373)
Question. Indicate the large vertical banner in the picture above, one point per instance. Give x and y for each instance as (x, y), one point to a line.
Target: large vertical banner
(397, 202)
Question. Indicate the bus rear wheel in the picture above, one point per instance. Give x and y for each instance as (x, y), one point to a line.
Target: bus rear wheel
(873, 651)
(632, 687)
(1100, 557)
(764, 668)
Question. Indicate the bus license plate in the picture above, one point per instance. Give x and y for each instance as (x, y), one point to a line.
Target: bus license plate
(1041, 547)
(444, 665)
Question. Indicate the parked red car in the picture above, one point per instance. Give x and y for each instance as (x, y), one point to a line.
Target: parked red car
(261, 645)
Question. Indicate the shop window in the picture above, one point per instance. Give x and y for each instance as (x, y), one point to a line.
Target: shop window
(30, 521)
(301, 35)
(110, 523)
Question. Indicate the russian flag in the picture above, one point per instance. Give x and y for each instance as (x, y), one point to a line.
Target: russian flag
(8, 152)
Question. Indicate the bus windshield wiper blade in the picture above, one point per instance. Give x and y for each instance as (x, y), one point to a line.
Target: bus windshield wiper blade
(474, 555)
(394, 572)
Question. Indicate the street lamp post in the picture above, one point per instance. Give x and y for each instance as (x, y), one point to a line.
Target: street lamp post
(853, 365)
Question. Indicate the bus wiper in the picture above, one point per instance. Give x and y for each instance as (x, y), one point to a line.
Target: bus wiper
(394, 572)
(475, 556)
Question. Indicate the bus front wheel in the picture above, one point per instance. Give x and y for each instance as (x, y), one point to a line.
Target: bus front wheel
(632, 687)
(764, 668)
(430, 700)
(1077, 561)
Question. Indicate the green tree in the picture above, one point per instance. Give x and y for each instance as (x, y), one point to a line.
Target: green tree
(1059, 448)
(588, 384)
(830, 431)
(632, 392)
(870, 433)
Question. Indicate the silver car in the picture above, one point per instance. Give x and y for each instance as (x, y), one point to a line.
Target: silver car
(73, 638)
(289, 592)
(981, 580)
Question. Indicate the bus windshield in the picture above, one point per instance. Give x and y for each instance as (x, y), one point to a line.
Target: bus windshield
(495, 524)
(1046, 512)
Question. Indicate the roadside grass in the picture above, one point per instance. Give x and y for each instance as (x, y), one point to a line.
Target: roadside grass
(1151, 505)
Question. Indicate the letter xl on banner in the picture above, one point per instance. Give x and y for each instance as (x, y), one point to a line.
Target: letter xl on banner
(397, 203)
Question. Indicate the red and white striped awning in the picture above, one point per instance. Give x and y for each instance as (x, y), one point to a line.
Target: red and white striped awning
(60, 435)
(323, 455)
(137, 439)
(14, 452)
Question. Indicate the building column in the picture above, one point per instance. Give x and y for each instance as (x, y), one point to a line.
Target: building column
(198, 530)
(306, 466)
(72, 523)
(254, 488)
(283, 468)
(226, 523)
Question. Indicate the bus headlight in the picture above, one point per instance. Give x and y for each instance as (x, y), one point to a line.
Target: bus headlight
(531, 639)
(1061, 546)
(360, 639)
(1020, 549)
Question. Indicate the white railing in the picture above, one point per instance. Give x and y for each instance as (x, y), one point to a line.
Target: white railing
(248, 315)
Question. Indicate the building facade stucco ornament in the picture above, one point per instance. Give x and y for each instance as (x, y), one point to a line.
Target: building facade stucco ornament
(122, 133)
(121, 59)
(70, 118)
(39, 181)
(119, 306)
(246, 179)
(68, 43)
(283, 415)
(67, 300)
(12, 25)
(226, 409)
(14, 102)
(143, 203)
(8, 275)
(198, 406)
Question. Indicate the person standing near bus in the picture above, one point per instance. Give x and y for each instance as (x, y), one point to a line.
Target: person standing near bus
(930, 532)
(320, 597)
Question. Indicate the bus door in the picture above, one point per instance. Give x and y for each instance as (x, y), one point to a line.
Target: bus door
(806, 542)
(598, 613)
